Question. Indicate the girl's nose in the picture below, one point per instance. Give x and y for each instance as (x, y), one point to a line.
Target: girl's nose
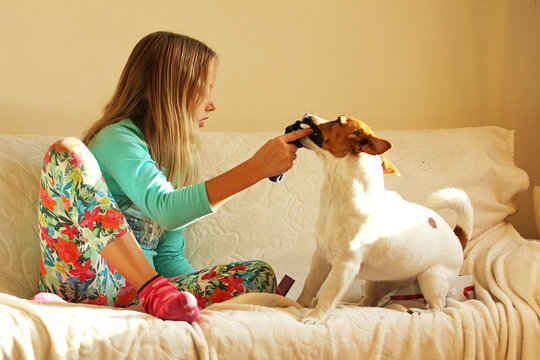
(211, 106)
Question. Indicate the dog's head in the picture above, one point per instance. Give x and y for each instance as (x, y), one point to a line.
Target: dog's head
(346, 136)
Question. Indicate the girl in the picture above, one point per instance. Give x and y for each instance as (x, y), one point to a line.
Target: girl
(113, 207)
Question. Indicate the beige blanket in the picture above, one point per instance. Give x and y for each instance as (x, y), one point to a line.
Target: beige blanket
(502, 323)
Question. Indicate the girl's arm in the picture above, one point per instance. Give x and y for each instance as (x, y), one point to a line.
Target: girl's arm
(273, 158)
(130, 171)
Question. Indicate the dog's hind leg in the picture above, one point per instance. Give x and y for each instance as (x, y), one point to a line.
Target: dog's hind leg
(435, 284)
(318, 272)
(375, 290)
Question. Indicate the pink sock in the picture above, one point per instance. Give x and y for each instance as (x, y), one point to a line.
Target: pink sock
(161, 298)
(48, 297)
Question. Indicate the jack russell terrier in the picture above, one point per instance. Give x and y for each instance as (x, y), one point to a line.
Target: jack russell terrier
(366, 231)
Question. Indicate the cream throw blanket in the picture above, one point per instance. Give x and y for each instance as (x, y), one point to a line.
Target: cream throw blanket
(503, 322)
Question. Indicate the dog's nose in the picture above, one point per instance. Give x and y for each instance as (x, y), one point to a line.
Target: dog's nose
(310, 120)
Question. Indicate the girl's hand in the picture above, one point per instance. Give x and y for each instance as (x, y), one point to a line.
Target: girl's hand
(277, 155)
(273, 158)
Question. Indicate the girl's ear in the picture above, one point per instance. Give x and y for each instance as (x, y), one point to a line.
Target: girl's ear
(388, 167)
(369, 144)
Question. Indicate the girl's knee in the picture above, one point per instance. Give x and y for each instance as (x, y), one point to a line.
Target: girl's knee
(68, 144)
(265, 265)
(266, 270)
(70, 151)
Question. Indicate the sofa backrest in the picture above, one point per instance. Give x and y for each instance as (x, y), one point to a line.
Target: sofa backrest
(274, 222)
(20, 162)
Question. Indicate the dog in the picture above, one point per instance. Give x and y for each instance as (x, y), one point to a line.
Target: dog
(366, 231)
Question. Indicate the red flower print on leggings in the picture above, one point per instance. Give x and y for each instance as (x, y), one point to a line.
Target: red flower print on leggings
(82, 271)
(91, 217)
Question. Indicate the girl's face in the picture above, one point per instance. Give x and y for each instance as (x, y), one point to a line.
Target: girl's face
(208, 104)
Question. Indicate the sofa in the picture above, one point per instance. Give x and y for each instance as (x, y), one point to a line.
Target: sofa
(275, 222)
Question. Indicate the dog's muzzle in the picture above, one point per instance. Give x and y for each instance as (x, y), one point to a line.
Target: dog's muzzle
(316, 136)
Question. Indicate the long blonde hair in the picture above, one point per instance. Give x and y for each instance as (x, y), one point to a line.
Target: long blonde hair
(161, 86)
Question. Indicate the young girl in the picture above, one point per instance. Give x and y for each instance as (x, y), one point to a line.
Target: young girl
(113, 207)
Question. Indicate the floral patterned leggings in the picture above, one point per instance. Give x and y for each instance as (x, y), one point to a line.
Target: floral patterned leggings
(78, 217)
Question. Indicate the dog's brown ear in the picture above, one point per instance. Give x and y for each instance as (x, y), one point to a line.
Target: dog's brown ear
(369, 144)
(388, 167)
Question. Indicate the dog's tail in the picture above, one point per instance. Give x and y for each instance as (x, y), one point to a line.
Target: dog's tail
(456, 199)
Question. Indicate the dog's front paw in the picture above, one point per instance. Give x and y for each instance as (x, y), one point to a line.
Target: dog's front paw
(308, 320)
(314, 318)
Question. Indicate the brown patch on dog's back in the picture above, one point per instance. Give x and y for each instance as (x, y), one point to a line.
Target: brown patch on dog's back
(463, 239)
(432, 222)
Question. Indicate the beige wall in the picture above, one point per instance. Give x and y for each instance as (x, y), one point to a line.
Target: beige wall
(397, 65)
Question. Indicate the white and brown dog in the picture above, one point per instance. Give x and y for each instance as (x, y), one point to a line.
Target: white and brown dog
(366, 231)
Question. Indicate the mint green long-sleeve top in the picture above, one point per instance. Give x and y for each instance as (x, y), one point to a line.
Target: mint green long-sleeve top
(130, 172)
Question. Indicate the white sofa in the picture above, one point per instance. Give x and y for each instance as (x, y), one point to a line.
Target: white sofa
(275, 222)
